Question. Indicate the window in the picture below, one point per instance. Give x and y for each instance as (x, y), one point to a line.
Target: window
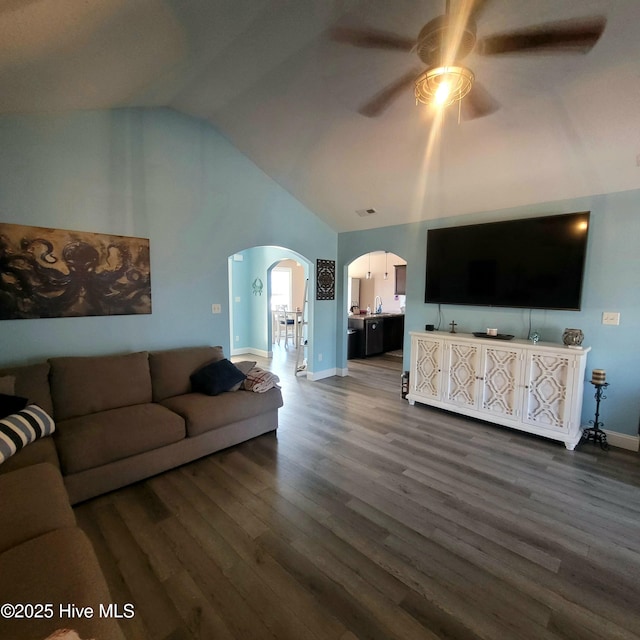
(280, 287)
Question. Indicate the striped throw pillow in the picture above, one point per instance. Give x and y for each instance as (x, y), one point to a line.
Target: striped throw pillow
(21, 428)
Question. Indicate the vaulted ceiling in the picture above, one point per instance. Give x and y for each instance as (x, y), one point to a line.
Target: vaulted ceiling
(267, 75)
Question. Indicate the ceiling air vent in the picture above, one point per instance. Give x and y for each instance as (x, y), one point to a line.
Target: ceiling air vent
(363, 213)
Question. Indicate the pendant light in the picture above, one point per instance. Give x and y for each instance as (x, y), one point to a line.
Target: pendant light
(386, 265)
(369, 272)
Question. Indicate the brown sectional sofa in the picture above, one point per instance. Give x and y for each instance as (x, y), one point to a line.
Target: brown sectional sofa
(119, 419)
(45, 559)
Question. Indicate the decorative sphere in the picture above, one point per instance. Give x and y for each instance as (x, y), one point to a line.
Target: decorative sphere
(573, 337)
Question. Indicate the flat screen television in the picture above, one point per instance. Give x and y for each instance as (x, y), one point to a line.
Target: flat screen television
(534, 263)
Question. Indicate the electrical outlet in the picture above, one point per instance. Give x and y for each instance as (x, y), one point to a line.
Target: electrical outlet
(319, 357)
(237, 338)
(610, 317)
(216, 308)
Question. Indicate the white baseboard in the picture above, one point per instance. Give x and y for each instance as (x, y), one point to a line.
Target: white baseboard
(620, 440)
(342, 372)
(319, 375)
(250, 351)
(623, 440)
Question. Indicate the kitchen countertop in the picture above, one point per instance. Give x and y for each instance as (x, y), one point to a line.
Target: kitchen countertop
(377, 316)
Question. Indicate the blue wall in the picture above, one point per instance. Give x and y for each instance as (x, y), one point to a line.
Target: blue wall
(161, 175)
(251, 315)
(173, 179)
(612, 283)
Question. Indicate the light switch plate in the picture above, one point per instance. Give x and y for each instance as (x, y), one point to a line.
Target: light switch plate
(610, 317)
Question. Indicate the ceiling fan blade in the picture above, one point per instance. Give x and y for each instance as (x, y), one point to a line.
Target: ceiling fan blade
(568, 36)
(478, 8)
(371, 39)
(383, 99)
(478, 103)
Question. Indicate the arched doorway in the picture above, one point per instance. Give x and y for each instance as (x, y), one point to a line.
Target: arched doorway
(250, 293)
(375, 301)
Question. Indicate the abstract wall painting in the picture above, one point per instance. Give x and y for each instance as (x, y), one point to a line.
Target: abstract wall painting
(55, 273)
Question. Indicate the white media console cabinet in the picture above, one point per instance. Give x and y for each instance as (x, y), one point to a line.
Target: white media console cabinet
(532, 387)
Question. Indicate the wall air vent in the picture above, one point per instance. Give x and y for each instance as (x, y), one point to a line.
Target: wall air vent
(363, 213)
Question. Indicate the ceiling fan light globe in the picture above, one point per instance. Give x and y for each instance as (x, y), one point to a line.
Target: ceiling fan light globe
(443, 94)
(442, 86)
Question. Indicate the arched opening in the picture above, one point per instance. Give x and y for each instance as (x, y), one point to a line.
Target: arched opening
(375, 300)
(251, 298)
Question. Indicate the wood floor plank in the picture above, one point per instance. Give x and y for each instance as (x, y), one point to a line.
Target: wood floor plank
(246, 567)
(132, 505)
(298, 602)
(587, 610)
(120, 592)
(365, 517)
(151, 600)
(224, 596)
(201, 619)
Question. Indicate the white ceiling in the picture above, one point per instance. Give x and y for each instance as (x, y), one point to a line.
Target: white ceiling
(266, 75)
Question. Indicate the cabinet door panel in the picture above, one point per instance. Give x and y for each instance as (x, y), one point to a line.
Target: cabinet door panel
(427, 368)
(393, 332)
(500, 390)
(548, 377)
(462, 378)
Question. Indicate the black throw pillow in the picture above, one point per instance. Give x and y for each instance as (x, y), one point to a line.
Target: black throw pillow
(216, 377)
(11, 404)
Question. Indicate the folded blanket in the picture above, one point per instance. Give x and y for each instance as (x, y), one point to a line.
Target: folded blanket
(259, 380)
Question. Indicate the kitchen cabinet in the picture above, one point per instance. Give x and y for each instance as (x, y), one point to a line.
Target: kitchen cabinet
(369, 339)
(534, 388)
(376, 334)
(393, 332)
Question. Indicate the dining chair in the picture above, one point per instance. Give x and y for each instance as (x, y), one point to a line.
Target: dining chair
(286, 326)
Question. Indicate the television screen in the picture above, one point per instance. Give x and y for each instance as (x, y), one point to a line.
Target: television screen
(535, 263)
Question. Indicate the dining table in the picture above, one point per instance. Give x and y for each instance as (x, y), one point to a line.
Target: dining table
(296, 316)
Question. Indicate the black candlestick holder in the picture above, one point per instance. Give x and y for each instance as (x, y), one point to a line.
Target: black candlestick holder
(595, 433)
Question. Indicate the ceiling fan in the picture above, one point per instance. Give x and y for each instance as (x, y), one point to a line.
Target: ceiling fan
(445, 41)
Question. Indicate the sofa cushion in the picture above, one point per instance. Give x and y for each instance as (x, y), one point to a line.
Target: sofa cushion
(34, 501)
(216, 377)
(83, 385)
(8, 385)
(43, 450)
(171, 369)
(61, 568)
(203, 413)
(23, 427)
(100, 438)
(245, 366)
(32, 381)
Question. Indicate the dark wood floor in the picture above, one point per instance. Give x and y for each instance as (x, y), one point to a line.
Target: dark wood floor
(367, 518)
